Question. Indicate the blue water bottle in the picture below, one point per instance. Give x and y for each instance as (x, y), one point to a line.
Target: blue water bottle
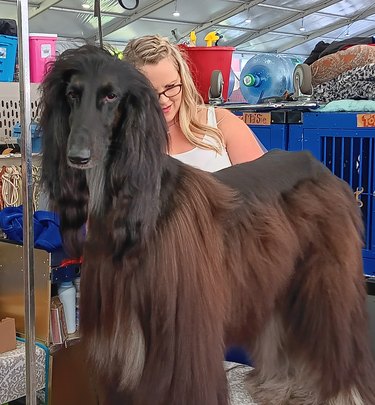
(267, 75)
(232, 82)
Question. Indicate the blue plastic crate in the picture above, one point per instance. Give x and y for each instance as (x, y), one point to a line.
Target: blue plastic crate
(36, 140)
(344, 143)
(8, 53)
(272, 135)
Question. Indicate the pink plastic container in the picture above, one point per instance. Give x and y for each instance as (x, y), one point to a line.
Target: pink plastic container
(42, 50)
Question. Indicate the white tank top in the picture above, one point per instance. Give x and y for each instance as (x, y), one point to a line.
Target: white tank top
(206, 159)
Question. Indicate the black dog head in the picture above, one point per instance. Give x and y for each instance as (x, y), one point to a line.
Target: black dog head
(101, 114)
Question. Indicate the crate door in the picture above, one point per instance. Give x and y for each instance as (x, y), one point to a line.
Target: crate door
(350, 156)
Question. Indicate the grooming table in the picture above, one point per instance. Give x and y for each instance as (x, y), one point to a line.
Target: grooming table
(13, 372)
(13, 379)
(236, 374)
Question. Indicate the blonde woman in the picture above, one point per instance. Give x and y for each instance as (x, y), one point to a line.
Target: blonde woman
(205, 137)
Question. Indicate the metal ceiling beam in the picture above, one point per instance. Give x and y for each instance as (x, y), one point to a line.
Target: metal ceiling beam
(82, 11)
(295, 10)
(219, 18)
(248, 37)
(35, 8)
(247, 52)
(113, 26)
(365, 33)
(322, 13)
(43, 6)
(328, 28)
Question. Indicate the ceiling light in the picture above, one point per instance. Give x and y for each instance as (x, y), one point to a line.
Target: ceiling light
(175, 12)
(248, 18)
(86, 6)
(302, 27)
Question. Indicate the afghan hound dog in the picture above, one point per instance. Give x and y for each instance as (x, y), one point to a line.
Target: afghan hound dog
(179, 263)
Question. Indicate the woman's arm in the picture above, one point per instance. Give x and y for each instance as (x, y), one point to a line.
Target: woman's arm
(240, 141)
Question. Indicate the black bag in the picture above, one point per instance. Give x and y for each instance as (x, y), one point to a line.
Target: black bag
(8, 27)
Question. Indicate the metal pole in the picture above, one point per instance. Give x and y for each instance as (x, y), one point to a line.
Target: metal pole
(27, 193)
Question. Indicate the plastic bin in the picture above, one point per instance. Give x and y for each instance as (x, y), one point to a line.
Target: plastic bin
(36, 140)
(203, 61)
(8, 53)
(42, 51)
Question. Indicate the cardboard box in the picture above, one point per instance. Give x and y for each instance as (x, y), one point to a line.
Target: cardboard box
(7, 335)
(58, 329)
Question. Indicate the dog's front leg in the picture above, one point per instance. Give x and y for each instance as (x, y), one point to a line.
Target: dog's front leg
(184, 370)
(184, 349)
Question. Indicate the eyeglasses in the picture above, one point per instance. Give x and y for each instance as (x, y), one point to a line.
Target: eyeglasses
(171, 91)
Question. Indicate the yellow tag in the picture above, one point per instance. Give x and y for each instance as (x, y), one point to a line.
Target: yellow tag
(366, 120)
(257, 118)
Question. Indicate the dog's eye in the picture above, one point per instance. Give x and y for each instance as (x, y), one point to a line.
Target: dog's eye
(110, 97)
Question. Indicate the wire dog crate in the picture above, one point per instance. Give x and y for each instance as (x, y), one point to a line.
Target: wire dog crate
(345, 143)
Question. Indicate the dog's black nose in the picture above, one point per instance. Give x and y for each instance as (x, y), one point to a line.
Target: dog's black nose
(79, 157)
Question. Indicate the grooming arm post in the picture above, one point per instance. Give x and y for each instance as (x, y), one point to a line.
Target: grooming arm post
(27, 190)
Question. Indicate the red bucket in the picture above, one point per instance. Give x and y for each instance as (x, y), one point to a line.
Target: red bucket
(203, 61)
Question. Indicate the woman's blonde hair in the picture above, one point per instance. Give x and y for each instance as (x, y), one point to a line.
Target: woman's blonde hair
(151, 49)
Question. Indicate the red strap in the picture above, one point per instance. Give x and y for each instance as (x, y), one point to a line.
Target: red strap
(68, 262)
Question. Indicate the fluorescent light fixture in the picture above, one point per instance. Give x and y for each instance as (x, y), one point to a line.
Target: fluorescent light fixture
(86, 6)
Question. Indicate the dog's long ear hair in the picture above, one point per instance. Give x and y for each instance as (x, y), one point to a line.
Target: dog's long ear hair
(136, 167)
(66, 186)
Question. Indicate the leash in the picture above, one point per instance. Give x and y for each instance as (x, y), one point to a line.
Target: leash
(11, 186)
